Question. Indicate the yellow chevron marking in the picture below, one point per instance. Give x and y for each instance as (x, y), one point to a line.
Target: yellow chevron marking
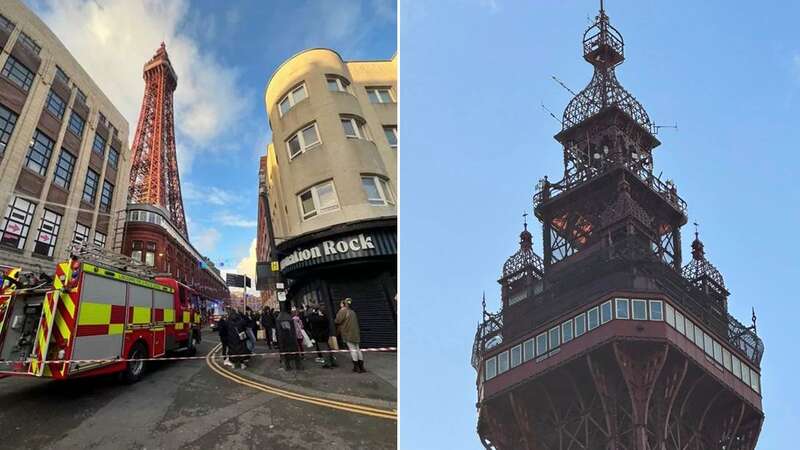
(67, 299)
(63, 328)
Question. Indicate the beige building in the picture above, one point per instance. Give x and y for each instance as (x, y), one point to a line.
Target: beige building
(328, 204)
(64, 155)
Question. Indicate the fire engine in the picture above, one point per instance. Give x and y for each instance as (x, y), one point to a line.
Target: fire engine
(97, 312)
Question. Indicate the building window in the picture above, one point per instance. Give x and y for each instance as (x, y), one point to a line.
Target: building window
(606, 312)
(337, 83)
(527, 348)
(99, 144)
(99, 239)
(136, 250)
(64, 168)
(555, 337)
(17, 73)
(491, 368)
(566, 331)
(81, 233)
(639, 309)
(516, 356)
(502, 362)
(17, 222)
(7, 122)
(61, 76)
(622, 308)
(80, 96)
(656, 310)
(113, 157)
(391, 134)
(48, 233)
(593, 318)
(6, 24)
(292, 98)
(106, 195)
(318, 199)
(380, 95)
(580, 324)
(354, 127)
(76, 124)
(101, 118)
(27, 41)
(303, 140)
(39, 153)
(679, 325)
(90, 187)
(541, 344)
(378, 191)
(670, 316)
(56, 105)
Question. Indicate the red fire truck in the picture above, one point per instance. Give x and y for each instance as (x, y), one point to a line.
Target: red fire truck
(95, 313)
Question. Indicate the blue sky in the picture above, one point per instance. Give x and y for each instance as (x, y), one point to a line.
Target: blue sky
(475, 142)
(224, 53)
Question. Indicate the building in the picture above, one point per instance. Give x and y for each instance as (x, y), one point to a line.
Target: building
(328, 188)
(154, 223)
(64, 156)
(610, 341)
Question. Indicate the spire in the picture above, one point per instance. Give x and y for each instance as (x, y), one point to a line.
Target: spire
(698, 251)
(525, 238)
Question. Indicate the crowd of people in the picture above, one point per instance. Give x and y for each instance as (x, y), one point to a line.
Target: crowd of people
(294, 333)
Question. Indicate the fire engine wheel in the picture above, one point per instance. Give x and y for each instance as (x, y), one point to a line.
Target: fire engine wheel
(135, 369)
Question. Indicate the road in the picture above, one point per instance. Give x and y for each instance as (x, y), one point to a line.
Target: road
(178, 404)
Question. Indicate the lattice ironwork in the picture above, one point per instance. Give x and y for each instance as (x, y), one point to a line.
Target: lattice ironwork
(701, 272)
(524, 262)
(154, 177)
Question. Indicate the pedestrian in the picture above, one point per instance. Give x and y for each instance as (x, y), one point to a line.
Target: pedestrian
(318, 330)
(237, 338)
(298, 329)
(347, 324)
(287, 339)
(222, 329)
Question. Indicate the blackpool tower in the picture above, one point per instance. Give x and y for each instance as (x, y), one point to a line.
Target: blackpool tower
(154, 176)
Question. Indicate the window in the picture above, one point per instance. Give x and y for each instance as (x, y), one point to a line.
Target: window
(337, 84)
(491, 368)
(708, 344)
(17, 222)
(656, 310)
(717, 352)
(99, 144)
(594, 318)
(755, 381)
(136, 250)
(81, 233)
(679, 323)
(516, 297)
(639, 309)
(61, 76)
(554, 337)
(292, 98)
(39, 153)
(746, 374)
(502, 362)
(17, 73)
(101, 118)
(27, 41)
(80, 96)
(580, 324)
(689, 329)
(106, 195)
(56, 105)
(391, 134)
(113, 157)
(354, 128)
(303, 140)
(7, 122)
(541, 344)
(527, 350)
(318, 200)
(566, 331)
(6, 24)
(516, 356)
(379, 95)
(76, 124)
(90, 188)
(64, 169)
(622, 309)
(378, 191)
(48, 233)
(150, 258)
(698, 336)
(99, 239)
(670, 315)
(606, 312)
(737, 367)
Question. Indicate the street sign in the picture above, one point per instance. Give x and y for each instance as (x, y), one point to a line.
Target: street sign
(281, 296)
(275, 266)
(234, 280)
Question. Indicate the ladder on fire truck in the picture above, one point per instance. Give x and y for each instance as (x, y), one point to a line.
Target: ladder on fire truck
(91, 252)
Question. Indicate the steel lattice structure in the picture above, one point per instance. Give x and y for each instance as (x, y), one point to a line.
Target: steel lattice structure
(608, 341)
(154, 175)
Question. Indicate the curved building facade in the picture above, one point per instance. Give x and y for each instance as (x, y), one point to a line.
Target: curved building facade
(328, 205)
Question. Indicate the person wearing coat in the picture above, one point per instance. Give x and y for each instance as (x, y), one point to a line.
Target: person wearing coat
(298, 329)
(268, 322)
(236, 345)
(222, 329)
(347, 325)
(287, 339)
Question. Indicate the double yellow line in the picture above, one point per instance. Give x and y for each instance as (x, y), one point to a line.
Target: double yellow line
(343, 406)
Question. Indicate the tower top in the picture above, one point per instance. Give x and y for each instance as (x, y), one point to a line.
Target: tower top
(161, 59)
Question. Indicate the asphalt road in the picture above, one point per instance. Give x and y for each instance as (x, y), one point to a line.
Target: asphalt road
(177, 405)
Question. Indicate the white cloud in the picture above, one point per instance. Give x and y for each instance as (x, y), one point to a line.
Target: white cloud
(247, 265)
(235, 220)
(205, 239)
(116, 38)
(208, 194)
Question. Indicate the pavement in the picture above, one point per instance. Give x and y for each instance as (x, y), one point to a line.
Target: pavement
(181, 405)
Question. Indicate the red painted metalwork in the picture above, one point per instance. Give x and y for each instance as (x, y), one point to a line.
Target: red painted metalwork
(154, 175)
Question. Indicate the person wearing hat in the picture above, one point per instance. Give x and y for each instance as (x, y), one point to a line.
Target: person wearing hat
(347, 324)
